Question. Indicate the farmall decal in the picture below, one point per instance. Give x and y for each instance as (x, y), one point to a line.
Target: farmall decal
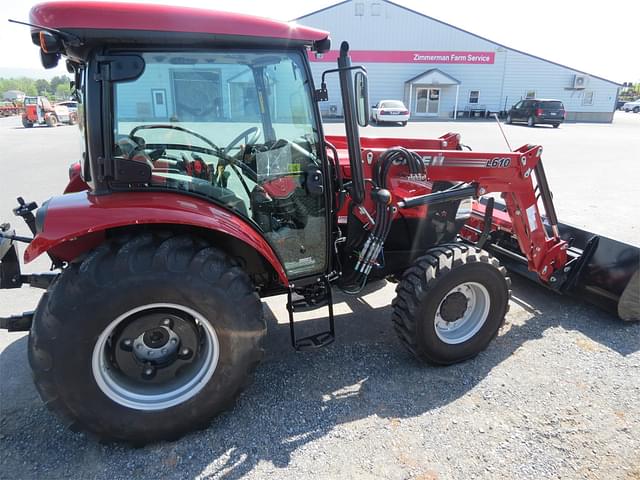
(411, 56)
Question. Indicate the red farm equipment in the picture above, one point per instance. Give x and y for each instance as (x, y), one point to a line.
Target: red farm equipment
(8, 109)
(39, 111)
(207, 183)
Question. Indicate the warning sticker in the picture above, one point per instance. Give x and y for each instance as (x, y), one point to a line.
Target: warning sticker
(531, 216)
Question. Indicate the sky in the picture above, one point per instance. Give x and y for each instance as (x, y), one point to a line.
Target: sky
(594, 37)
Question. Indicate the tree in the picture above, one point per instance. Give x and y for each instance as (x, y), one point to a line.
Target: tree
(42, 86)
(63, 91)
(60, 80)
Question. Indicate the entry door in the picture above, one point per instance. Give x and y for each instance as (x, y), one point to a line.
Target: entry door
(159, 97)
(427, 101)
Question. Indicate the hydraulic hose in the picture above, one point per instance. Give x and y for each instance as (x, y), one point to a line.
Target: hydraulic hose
(374, 244)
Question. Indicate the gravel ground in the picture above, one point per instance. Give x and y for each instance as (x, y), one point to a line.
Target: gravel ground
(554, 396)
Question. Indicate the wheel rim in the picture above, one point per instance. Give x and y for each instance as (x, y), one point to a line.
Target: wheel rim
(155, 356)
(462, 312)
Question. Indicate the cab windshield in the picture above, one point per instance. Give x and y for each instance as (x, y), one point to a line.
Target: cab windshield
(238, 128)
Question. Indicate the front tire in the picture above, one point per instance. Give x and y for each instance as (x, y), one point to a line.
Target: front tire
(52, 120)
(509, 120)
(26, 123)
(451, 303)
(636, 109)
(146, 339)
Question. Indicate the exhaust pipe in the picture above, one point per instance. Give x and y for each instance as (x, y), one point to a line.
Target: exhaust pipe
(351, 124)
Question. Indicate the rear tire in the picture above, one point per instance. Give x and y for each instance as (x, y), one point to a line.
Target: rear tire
(509, 120)
(636, 109)
(531, 122)
(451, 303)
(123, 291)
(556, 125)
(404, 124)
(26, 123)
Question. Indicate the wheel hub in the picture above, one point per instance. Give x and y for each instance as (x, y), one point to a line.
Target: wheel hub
(156, 345)
(155, 356)
(462, 313)
(454, 307)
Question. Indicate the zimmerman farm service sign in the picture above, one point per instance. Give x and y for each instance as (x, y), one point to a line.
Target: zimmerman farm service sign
(411, 56)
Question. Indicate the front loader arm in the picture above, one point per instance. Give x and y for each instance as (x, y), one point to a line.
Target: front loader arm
(519, 177)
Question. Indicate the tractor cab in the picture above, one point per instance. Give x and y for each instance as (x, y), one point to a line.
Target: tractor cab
(238, 129)
(223, 115)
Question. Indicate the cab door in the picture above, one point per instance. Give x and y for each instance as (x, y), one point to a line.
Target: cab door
(291, 199)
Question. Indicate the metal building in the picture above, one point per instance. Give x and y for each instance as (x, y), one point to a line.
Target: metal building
(442, 71)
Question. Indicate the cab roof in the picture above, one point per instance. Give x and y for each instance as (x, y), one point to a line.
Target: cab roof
(85, 17)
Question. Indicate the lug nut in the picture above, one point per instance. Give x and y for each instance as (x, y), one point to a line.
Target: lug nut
(167, 322)
(148, 373)
(185, 354)
(126, 344)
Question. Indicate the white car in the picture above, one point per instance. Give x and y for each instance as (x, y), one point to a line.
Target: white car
(390, 111)
(62, 112)
(632, 106)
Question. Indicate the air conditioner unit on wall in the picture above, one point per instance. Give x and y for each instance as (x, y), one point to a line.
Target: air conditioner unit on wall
(580, 81)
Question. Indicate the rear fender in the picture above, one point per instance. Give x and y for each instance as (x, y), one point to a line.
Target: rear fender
(76, 182)
(77, 222)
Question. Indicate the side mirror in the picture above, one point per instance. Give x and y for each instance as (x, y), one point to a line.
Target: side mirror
(362, 99)
(49, 60)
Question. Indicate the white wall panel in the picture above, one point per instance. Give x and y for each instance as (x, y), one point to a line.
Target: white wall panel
(502, 83)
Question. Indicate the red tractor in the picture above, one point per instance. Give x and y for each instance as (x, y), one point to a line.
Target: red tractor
(207, 183)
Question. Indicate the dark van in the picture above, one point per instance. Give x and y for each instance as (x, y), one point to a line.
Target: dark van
(537, 111)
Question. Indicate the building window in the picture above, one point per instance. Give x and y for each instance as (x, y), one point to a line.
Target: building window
(375, 9)
(474, 96)
(587, 98)
(359, 6)
(530, 94)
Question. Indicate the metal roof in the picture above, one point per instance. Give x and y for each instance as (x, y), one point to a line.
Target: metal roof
(467, 32)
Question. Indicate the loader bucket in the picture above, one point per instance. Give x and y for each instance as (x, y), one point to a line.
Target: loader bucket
(607, 273)
(602, 271)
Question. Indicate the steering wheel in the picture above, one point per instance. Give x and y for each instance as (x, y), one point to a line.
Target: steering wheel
(256, 131)
(215, 150)
(174, 127)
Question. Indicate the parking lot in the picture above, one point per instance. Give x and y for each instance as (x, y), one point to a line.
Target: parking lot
(556, 395)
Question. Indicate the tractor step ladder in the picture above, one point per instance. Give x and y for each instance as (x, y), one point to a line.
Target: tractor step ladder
(316, 296)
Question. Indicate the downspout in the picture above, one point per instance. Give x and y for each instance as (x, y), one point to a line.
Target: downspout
(455, 109)
(410, 98)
